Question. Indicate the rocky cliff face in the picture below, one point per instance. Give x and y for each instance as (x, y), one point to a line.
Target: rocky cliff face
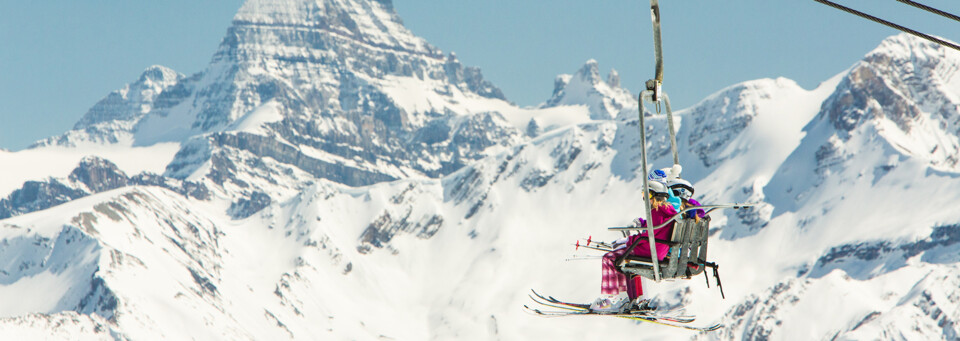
(92, 175)
(338, 76)
(907, 89)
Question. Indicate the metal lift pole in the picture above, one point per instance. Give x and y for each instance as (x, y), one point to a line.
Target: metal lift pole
(658, 79)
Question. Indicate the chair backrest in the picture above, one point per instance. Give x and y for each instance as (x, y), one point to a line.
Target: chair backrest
(693, 237)
(686, 258)
(678, 229)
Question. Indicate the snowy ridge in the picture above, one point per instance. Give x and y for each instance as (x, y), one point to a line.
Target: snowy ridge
(739, 137)
(104, 246)
(908, 90)
(59, 162)
(112, 119)
(92, 175)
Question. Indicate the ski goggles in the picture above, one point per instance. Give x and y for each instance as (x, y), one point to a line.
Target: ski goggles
(682, 192)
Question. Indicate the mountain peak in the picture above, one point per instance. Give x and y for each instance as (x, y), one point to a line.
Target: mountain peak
(589, 72)
(606, 99)
(372, 21)
(904, 46)
(613, 79)
(159, 74)
(133, 100)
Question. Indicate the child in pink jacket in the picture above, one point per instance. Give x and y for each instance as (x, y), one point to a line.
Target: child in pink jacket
(615, 290)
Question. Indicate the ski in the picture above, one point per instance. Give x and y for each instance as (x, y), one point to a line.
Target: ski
(709, 328)
(578, 309)
(555, 303)
(638, 318)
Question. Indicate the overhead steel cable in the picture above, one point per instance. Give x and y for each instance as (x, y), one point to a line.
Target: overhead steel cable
(930, 9)
(890, 24)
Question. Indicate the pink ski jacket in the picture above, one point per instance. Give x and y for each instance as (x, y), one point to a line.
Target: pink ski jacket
(660, 215)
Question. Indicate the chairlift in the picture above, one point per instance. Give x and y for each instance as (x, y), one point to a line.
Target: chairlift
(687, 256)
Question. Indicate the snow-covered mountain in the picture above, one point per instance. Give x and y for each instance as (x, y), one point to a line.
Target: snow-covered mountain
(605, 98)
(340, 86)
(861, 219)
(331, 175)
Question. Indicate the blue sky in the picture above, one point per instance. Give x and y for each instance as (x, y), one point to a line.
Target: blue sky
(59, 57)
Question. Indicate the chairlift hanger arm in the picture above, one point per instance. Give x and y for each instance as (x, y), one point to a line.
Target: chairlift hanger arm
(647, 207)
(652, 95)
(655, 18)
(890, 24)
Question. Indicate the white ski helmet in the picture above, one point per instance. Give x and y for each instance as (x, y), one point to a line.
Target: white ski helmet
(657, 187)
(681, 188)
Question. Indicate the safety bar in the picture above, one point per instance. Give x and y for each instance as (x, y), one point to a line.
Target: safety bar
(679, 215)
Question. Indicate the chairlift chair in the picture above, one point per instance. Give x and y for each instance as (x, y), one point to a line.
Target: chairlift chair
(687, 256)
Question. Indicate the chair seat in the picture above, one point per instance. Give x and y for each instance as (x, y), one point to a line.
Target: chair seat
(685, 258)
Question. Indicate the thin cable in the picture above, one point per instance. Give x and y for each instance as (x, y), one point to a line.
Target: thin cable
(890, 24)
(930, 9)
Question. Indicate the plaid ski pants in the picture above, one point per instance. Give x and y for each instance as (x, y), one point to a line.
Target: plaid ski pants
(613, 281)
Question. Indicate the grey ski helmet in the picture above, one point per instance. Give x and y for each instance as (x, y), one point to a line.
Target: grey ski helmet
(681, 188)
